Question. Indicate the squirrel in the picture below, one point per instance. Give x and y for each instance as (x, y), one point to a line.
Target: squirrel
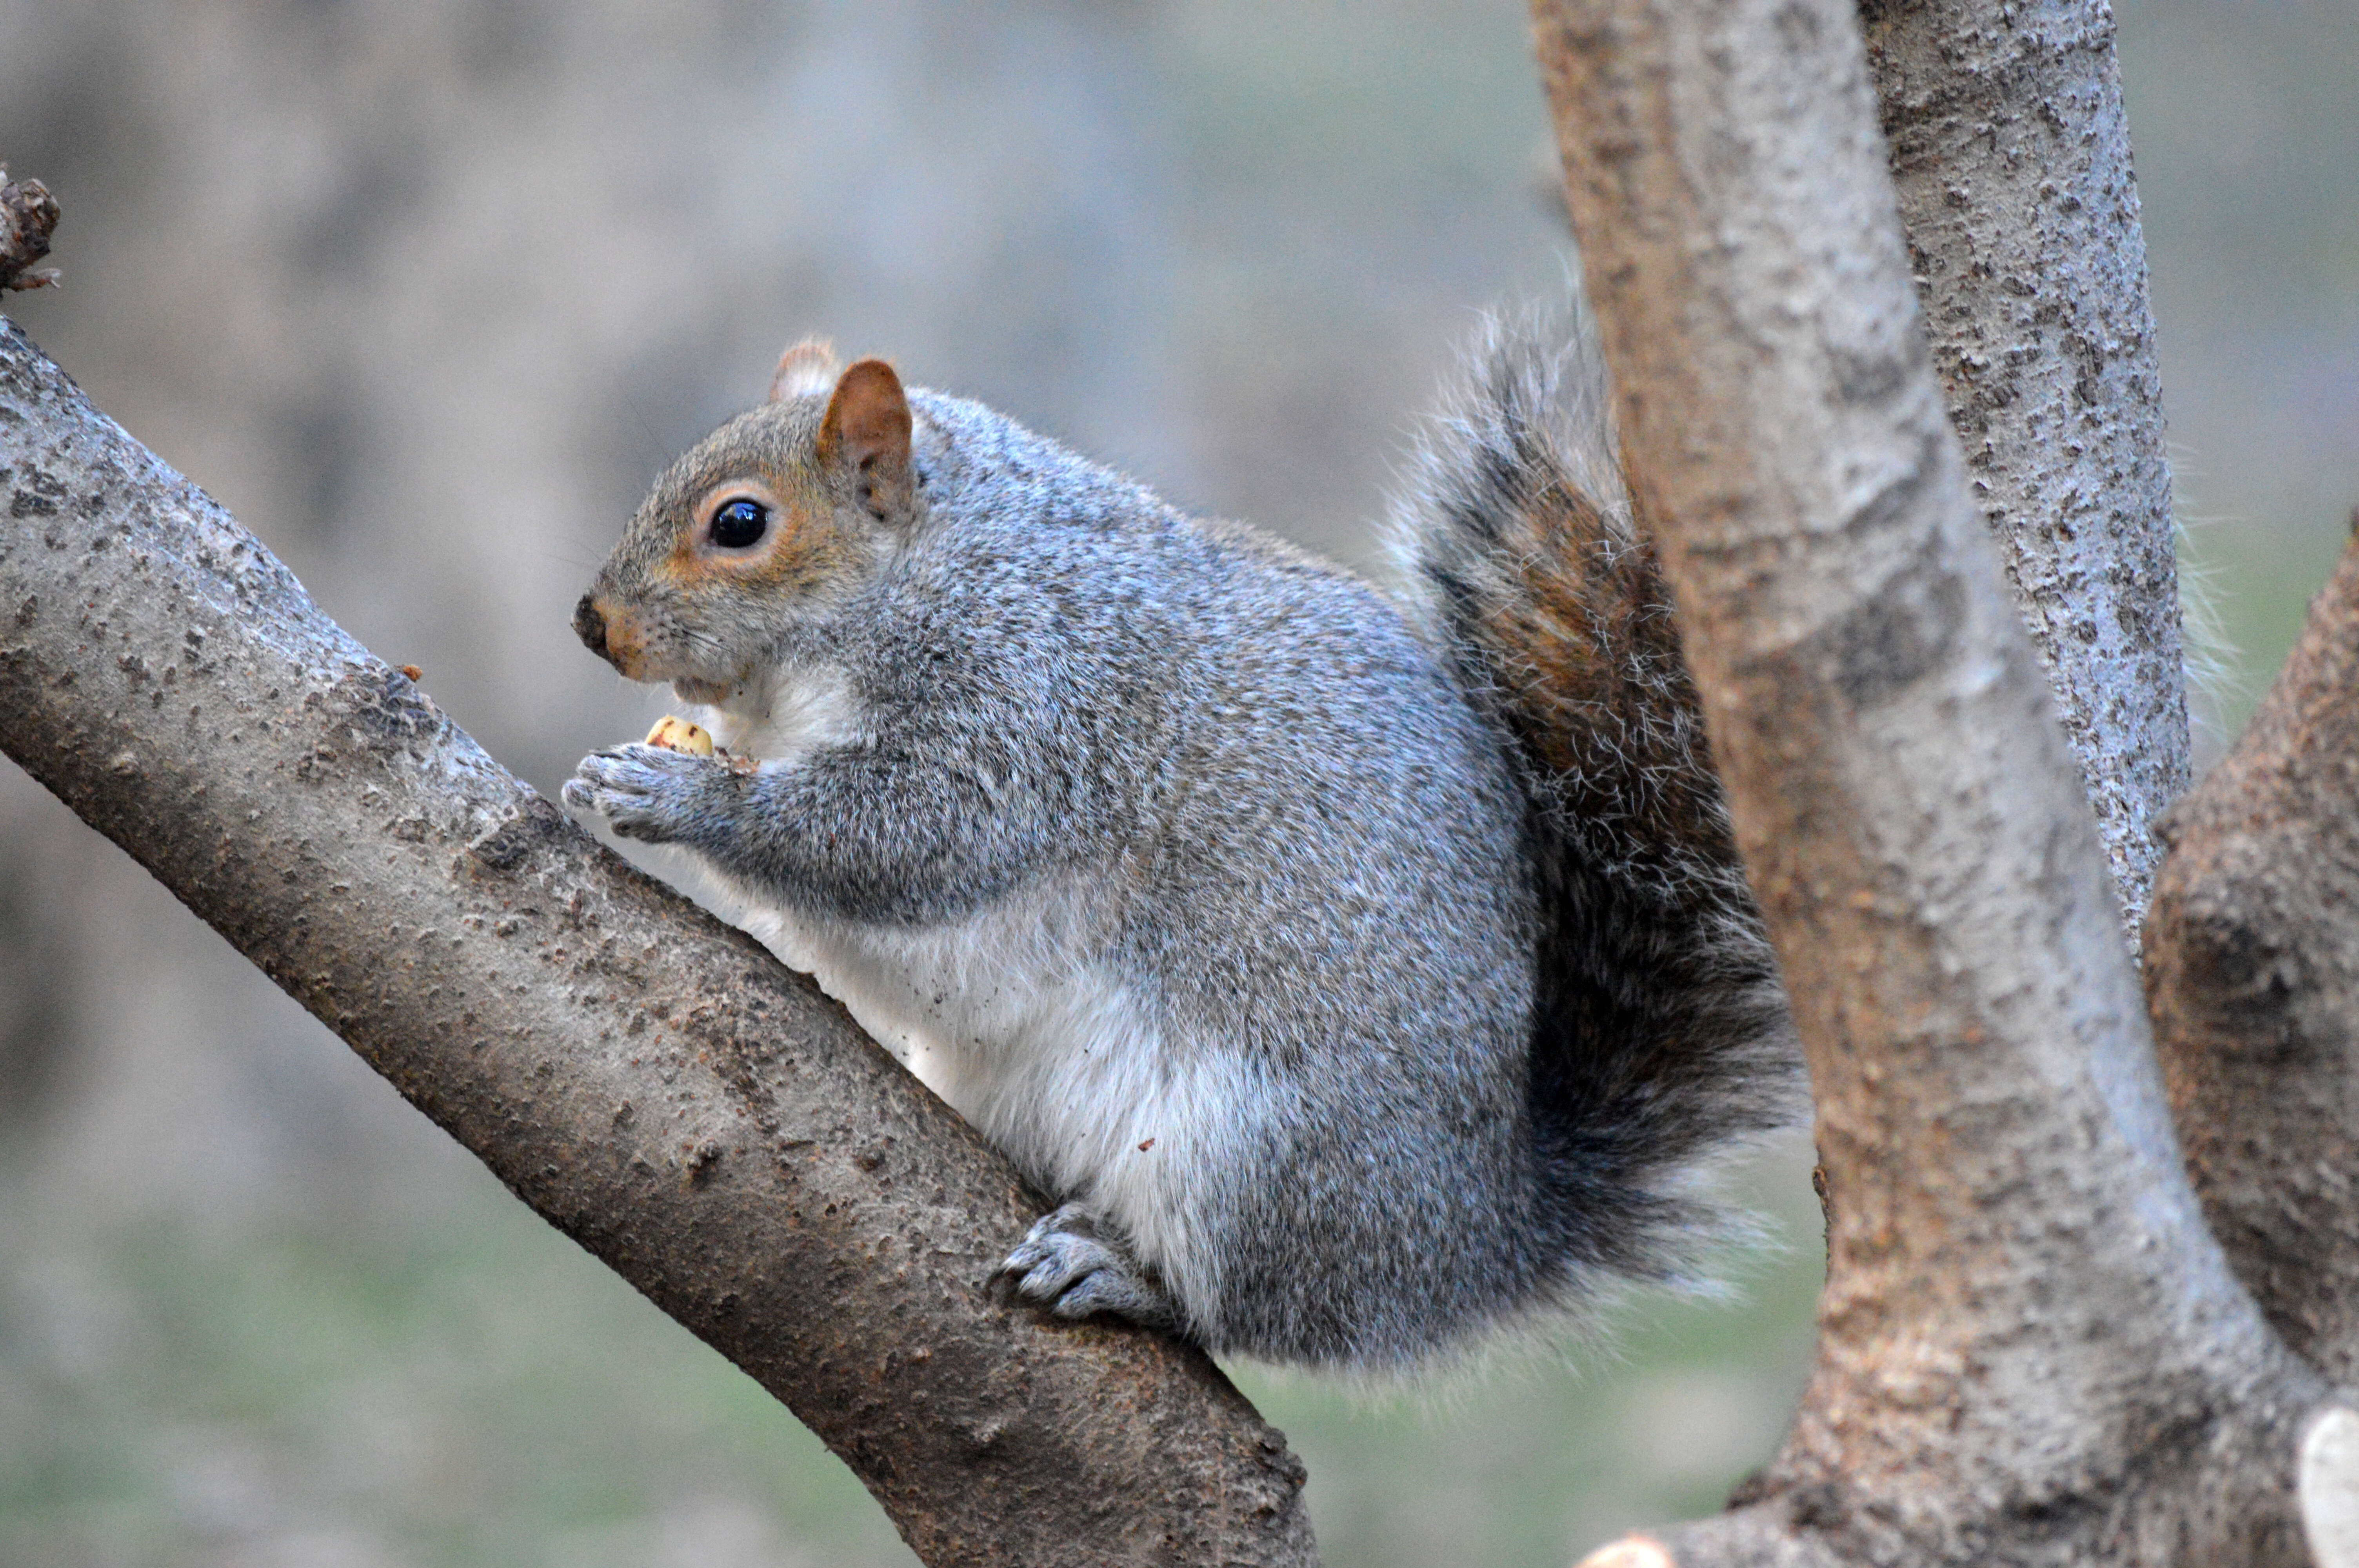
(1358, 968)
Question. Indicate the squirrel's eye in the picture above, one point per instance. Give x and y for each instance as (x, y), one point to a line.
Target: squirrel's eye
(738, 524)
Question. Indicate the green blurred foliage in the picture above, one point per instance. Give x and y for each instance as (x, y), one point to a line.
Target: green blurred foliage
(2246, 132)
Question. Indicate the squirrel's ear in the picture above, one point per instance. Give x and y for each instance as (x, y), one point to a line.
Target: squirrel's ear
(806, 368)
(865, 436)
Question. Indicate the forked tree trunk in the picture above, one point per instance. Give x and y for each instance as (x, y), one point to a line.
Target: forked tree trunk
(2031, 1349)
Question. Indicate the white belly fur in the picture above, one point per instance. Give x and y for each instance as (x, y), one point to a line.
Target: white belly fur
(1018, 1017)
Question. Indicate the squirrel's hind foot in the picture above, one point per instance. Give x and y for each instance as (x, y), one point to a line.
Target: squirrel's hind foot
(1063, 1267)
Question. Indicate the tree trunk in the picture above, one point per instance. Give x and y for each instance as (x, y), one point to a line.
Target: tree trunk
(2031, 1349)
(2253, 977)
(650, 1081)
(2010, 155)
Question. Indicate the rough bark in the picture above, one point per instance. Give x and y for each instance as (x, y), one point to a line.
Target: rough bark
(2010, 155)
(649, 1080)
(2252, 979)
(2031, 1350)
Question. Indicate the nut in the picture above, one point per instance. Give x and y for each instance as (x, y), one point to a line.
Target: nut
(679, 735)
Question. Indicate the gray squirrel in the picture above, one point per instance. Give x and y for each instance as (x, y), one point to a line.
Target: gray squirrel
(1358, 970)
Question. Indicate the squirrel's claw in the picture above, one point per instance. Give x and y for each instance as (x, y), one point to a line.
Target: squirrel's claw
(643, 792)
(1063, 1268)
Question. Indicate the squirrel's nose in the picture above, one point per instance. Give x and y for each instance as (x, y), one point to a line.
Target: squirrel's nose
(589, 625)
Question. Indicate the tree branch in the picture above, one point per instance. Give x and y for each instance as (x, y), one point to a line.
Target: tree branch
(2030, 1347)
(2010, 155)
(2253, 978)
(647, 1079)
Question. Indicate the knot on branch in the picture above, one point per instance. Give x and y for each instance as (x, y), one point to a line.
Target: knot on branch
(29, 216)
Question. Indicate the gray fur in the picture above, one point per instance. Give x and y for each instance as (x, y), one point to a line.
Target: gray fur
(1471, 1047)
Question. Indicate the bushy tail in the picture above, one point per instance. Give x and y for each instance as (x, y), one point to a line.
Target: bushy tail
(1662, 1040)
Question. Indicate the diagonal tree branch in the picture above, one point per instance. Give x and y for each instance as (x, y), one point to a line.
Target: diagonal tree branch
(653, 1083)
(2010, 156)
(2253, 977)
(2030, 1347)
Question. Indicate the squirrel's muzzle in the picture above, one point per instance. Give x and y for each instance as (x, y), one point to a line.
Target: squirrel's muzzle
(614, 633)
(589, 625)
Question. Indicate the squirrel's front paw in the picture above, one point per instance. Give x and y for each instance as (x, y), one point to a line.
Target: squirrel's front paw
(1063, 1267)
(644, 792)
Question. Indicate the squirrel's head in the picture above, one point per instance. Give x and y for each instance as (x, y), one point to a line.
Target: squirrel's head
(757, 529)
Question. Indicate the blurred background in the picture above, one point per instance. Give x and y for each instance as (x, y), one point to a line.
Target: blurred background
(426, 293)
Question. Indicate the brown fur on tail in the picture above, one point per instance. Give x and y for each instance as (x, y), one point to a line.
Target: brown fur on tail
(1661, 1039)
(1523, 538)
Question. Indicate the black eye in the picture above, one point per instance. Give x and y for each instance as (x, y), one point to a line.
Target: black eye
(739, 523)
